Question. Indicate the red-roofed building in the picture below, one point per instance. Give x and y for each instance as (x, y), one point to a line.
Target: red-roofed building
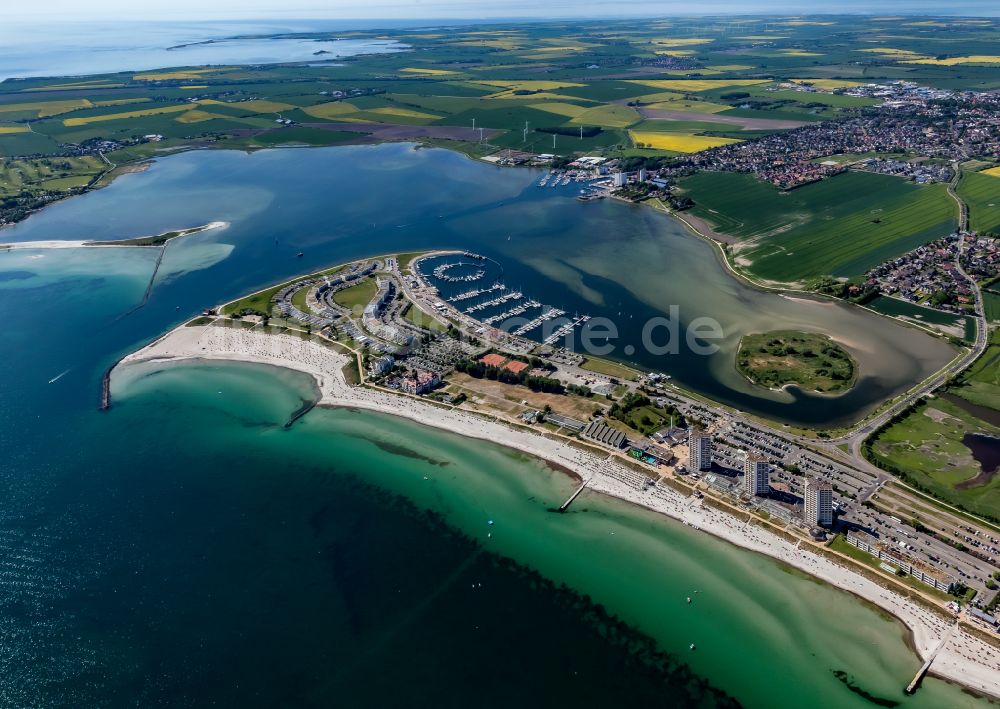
(493, 360)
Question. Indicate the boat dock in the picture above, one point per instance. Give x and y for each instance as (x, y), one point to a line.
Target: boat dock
(523, 307)
(547, 315)
(576, 493)
(565, 330)
(474, 292)
(512, 295)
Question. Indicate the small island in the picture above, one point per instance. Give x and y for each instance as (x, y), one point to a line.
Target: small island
(810, 361)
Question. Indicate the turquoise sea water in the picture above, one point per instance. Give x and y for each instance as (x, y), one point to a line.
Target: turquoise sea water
(185, 548)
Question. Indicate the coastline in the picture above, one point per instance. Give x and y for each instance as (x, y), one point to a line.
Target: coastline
(965, 659)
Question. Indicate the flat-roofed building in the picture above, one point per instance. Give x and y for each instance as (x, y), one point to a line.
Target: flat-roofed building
(604, 434)
(818, 509)
(699, 450)
(755, 474)
(896, 558)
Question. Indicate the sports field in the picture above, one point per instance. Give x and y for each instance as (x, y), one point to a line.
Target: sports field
(841, 226)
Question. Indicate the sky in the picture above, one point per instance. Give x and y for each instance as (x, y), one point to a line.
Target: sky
(103, 10)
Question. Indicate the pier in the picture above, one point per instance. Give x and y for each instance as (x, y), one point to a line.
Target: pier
(474, 292)
(565, 330)
(547, 315)
(917, 678)
(576, 493)
(517, 310)
(512, 295)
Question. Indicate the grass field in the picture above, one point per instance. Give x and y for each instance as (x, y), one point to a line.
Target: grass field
(609, 369)
(357, 296)
(841, 226)
(696, 85)
(928, 446)
(981, 191)
(419, 318)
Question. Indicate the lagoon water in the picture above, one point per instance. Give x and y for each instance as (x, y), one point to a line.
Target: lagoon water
(628, 264)
(185, 548)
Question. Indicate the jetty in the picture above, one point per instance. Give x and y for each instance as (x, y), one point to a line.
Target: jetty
(517, 310)
(546, 315)
(565, 329)
(917, 678)
(475, 292)
(512, 295)
(576, 493)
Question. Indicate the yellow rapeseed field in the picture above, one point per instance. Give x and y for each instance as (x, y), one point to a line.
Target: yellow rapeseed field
(608, 116)
(954, 61)
(403, 113)
(570, 110)
(122, 101)
(679, 142)
(197, 116)
(334, 109)
(126, 114)
(6, 130)
(44, 109)
(992, 171)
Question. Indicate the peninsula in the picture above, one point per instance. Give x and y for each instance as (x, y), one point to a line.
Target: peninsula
(380, 334)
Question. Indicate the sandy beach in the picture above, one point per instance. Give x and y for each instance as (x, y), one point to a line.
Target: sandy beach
(964, 659)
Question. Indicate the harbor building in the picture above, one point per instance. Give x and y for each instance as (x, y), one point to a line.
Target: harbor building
(818, 503)
(699, 450)
(755, 474)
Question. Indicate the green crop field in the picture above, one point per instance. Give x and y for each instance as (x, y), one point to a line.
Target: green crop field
(982, 193)
(991, 305)
(841, 226)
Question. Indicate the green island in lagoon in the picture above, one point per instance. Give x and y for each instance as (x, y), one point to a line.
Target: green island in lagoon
(809, 361)
(591, 361)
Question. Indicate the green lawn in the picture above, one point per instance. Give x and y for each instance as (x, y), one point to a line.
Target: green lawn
(357, 296)
(419, 318)
(840, 226)
(609, 369)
